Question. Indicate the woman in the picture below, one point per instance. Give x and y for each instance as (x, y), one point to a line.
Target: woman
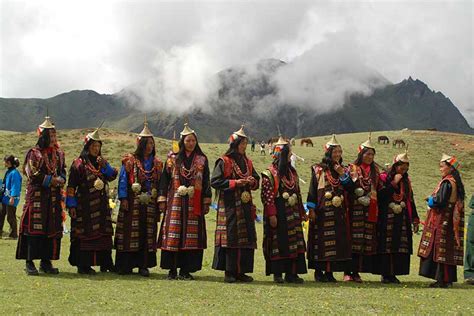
(283, 241)
(185, 196)
(135, 236)
(11, 195)
(329, 248)
(41, 224)
(88, 204)
(363, 211)
(441, 246)
(397, 214)
(235, 239)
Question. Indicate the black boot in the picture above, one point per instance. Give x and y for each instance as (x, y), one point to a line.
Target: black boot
(277, 278)
(47, 267)
(319, 276)
(293, 278)
(144, 272)
(30, 268)
(86, 270)
(330, 277)
(184, 275)
(242, 277)
(230, 277)
(172, 275)
(385, 279)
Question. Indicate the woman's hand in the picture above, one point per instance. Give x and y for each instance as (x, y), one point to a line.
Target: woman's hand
(72, 212)
(273, 221)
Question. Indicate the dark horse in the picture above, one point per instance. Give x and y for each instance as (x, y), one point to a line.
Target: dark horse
(307, 142)
(383, 139)
(398, 143)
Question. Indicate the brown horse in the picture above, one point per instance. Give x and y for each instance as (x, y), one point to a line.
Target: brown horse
(398, 143)
(307, 142)
(383, 139)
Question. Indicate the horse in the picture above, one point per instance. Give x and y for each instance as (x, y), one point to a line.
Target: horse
(383, 139)
(307, 142)
(293, 141)
(398, 143)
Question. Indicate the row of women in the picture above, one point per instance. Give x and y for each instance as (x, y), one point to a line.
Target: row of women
(361, 217)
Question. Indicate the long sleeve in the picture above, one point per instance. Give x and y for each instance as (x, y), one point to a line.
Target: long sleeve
(123, 183)
(164, 184)
(257, 178)
(414, 213)
(15, 189)
(109, 172)
(441, 198)
(206, 185)
(33, 170)
(312, 198)
(218, 181)
(73, 183)
(268, 197)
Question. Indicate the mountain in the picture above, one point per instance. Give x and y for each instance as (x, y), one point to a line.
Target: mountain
(248, 94)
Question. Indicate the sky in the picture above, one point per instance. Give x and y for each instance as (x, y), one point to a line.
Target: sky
(169, 52)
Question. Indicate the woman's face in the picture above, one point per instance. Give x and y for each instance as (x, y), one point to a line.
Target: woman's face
(7, 164)
(402, 168)
(336, 154)
(444, 169)
(242, 146)
(94, 148)
(52, 138)
(150, 145)
(368, 157)
(190, 142)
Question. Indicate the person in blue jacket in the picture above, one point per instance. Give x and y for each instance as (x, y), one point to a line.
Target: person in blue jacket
(11, 195)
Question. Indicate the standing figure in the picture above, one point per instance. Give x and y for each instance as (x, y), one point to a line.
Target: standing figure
(136, 231)
(363, 211)
(11, 187)
(397, 215)
(184, 197)
(442, 242)
(41, 224)
(329, 247)
(469, 258)
(235, 238)
(283, 241)
(88, 204)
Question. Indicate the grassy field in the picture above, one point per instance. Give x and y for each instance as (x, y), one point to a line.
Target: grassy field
(110, 293)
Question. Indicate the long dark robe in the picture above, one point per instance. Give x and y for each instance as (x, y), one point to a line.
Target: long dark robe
(438, 250)
(363, 228)
(235, 237)
(284, 246)
(41, 222)
(136, 231)
(329, 247)
(91, 229)
(182, 244)
(394, 233)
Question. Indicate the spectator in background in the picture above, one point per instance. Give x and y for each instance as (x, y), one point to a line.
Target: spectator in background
(11, 195)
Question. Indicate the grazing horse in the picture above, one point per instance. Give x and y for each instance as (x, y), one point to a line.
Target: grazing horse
(383, 139)
(307, 142)
(398, 143)
(432, 129)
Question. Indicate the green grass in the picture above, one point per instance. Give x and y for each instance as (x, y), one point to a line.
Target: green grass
(109, 293)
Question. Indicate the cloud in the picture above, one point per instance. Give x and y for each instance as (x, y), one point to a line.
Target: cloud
(169, 52)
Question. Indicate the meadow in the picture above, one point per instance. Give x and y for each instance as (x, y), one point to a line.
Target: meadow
(106, 293)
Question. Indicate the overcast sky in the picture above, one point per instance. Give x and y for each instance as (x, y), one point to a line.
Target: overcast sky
(172, 48)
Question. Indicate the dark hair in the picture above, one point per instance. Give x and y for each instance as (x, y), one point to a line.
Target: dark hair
(233, 146)
(459, 185)
(85, 150)
(326, 162)
(44, 139)
(358, 162)
(182, 150)
(15, 162)
(140, 151)
(281, 161)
